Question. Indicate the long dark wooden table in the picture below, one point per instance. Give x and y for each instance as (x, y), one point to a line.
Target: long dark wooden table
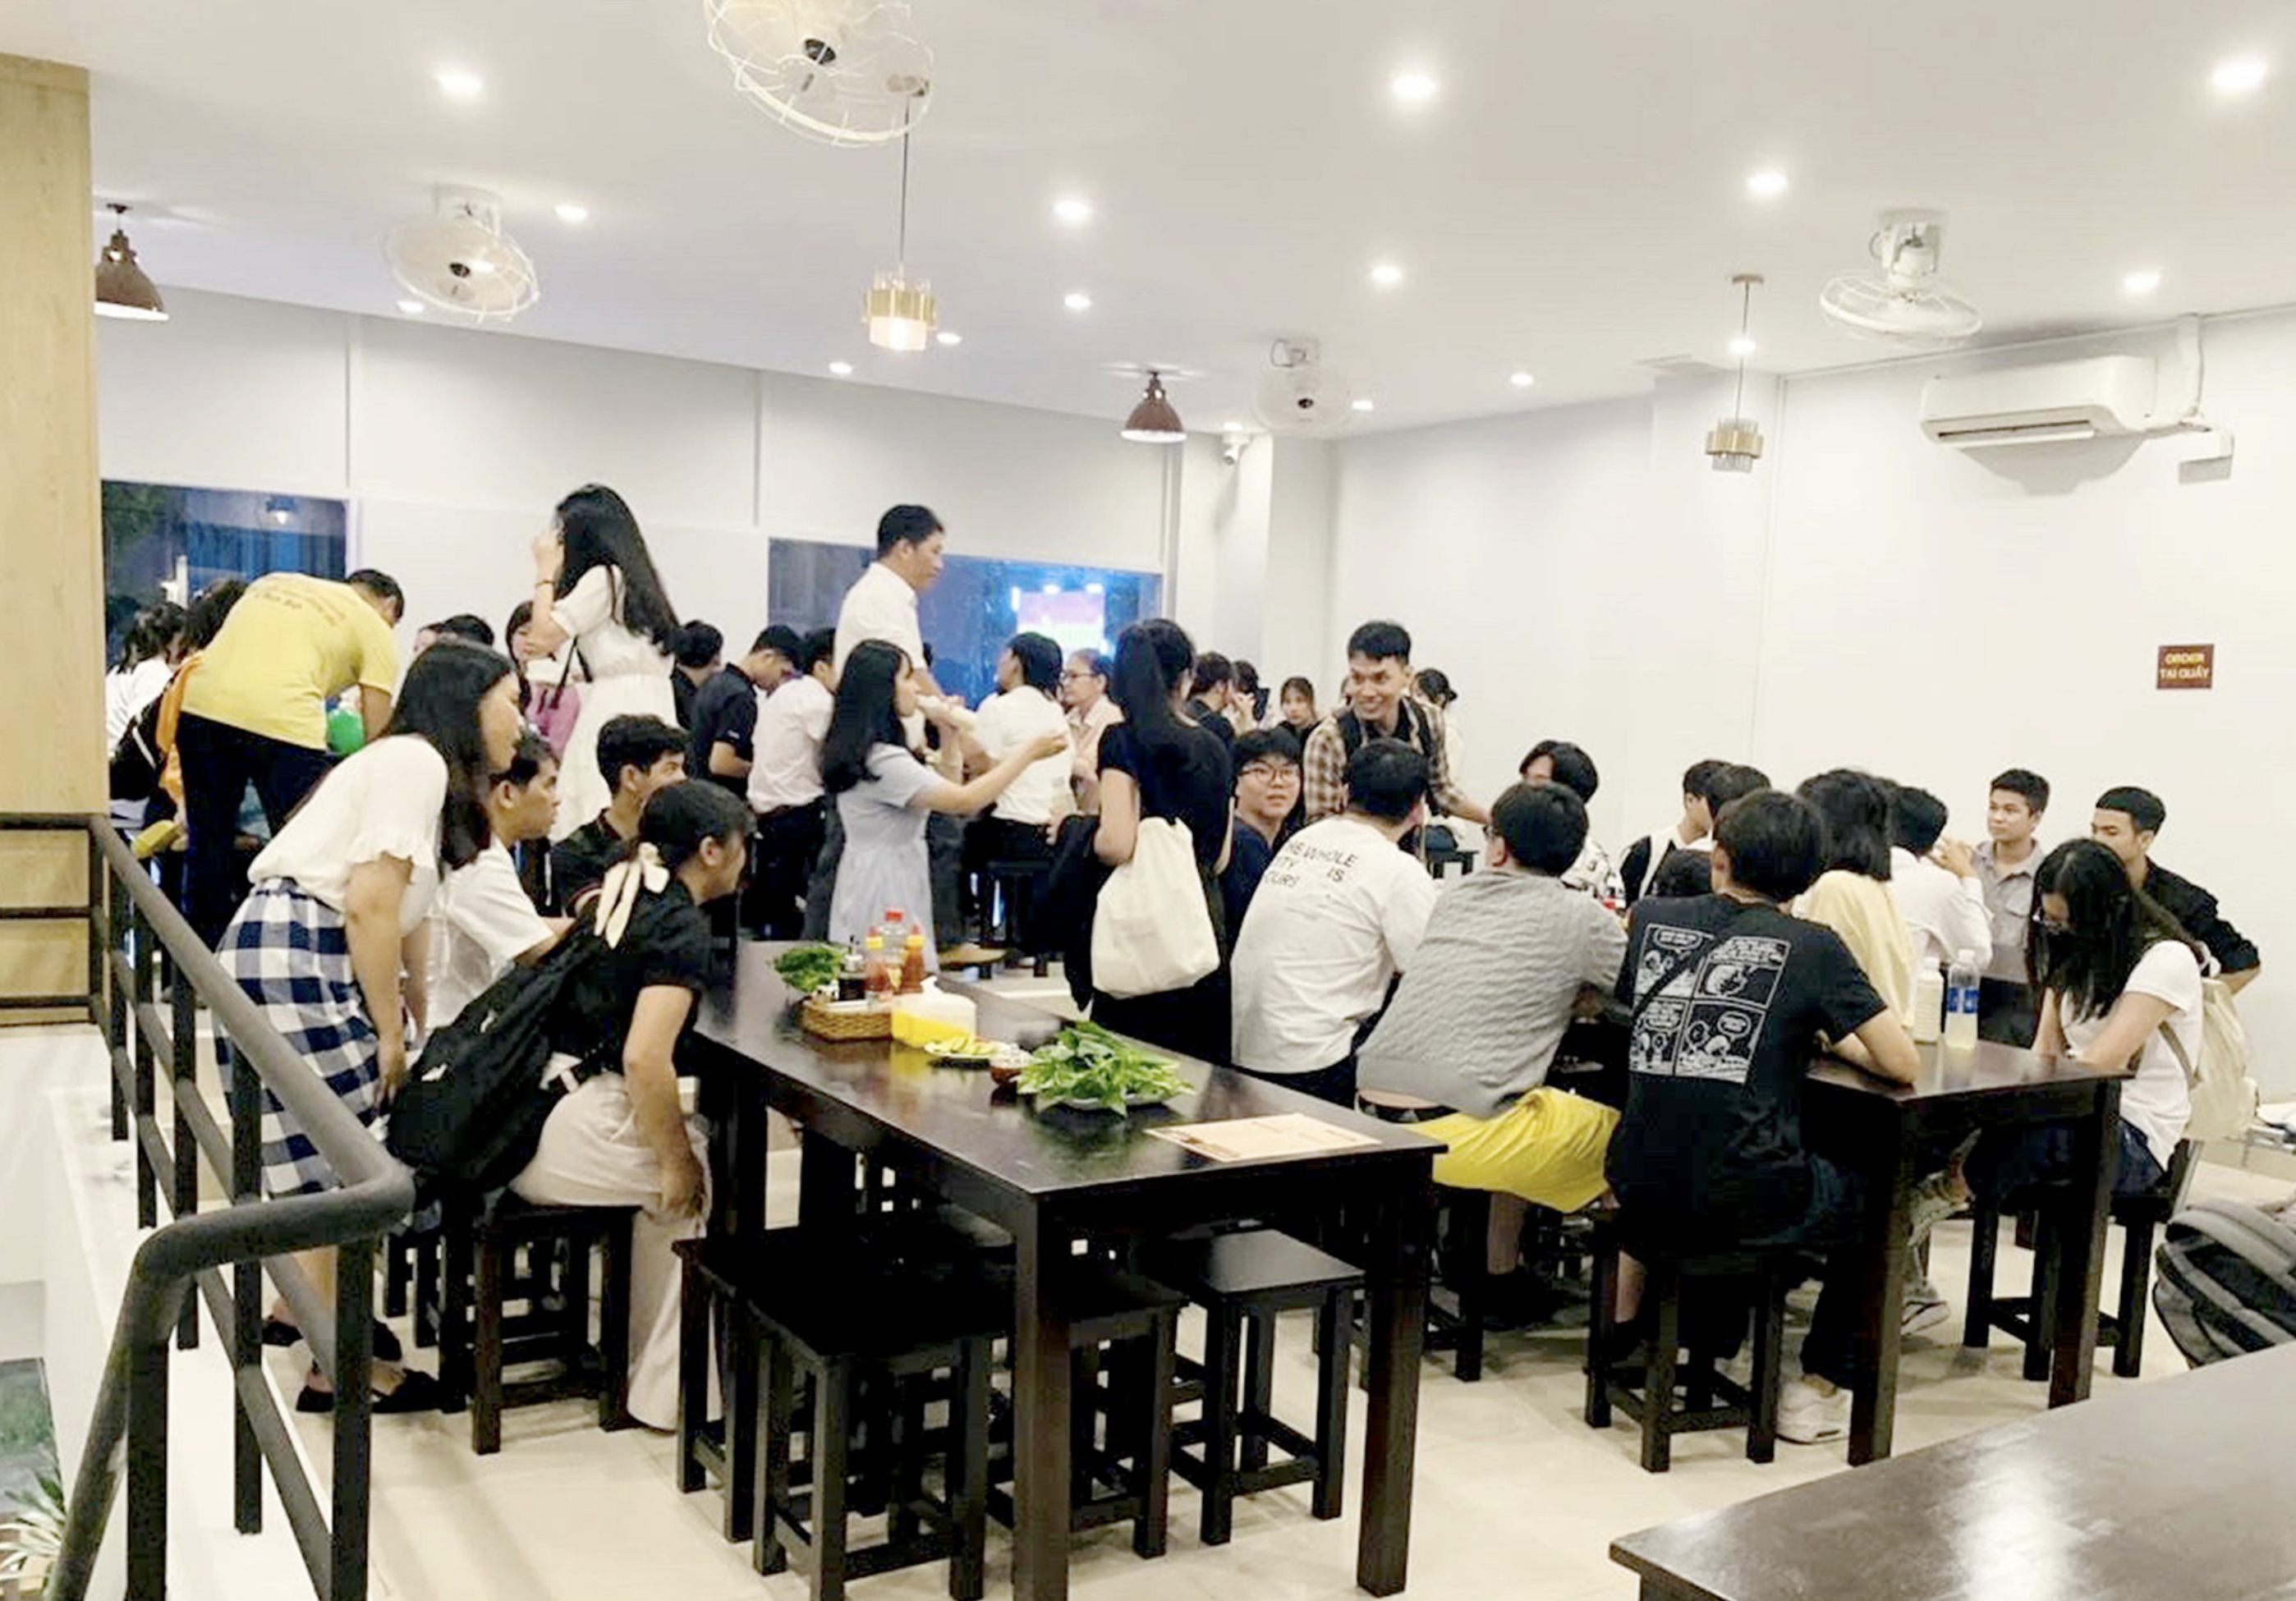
(2173, 1489)
(1892, 1132)
(1052, 1177)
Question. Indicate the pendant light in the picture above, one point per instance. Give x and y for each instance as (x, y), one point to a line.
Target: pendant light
(900, 315)
(1736, 442)
(1153, 421)
(122, 288)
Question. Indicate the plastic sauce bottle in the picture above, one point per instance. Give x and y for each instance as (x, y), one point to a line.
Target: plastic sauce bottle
(913, 964)
(880, 975)
(1961, 1002)
(1929, 1004)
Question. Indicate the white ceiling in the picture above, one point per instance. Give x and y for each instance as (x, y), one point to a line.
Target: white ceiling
(1574, 203)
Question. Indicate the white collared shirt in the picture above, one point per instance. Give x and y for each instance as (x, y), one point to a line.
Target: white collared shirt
(1945, 914)
(880, 606)
(1008, 722)
(785, 750)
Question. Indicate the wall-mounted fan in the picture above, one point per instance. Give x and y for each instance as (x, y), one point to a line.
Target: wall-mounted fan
(1901, 299)
(1299, 394)
(841, 71)
(459, 259)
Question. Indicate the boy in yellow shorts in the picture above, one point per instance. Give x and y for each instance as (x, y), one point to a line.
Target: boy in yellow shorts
(1474, 1025)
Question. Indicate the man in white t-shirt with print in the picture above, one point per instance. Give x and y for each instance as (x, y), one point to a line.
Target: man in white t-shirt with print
(482, 920)
(1339, 912)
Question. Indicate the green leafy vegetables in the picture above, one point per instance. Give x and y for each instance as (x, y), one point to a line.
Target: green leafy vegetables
(806, 968)
(1084, 1063)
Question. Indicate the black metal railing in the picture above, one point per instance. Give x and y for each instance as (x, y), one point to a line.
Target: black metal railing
(140, 949)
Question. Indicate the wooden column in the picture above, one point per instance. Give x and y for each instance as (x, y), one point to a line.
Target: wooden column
(52, 755)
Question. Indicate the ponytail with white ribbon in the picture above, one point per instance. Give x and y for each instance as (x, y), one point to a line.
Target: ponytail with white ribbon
(618, 895)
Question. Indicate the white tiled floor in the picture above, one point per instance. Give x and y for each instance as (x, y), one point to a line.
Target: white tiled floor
(1515, 1496)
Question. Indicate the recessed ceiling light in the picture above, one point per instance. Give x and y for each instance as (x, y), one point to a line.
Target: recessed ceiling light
(949, 337)
(1232, 425)
(412, 309)
(1077, 300)
(460, 83)
(1412, 88)
(1766, 185)
(1363, 402)
(1386, 275)
(1742, 346)
(1072, 210)
(842, 369)
(2142, 282)
(1520, 381)
(2241, 75)
(569, 211)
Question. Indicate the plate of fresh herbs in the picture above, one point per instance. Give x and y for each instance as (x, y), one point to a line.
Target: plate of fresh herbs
(1086, 1066)
(808, 969)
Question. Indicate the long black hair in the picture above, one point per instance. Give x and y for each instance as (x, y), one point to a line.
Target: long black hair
(1151, 658)
(439, 703)
(600, 531)
(1855, 808)
(2110, 925)
(864, 717)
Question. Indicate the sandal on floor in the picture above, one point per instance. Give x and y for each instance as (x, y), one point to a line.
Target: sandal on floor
(416, 1392)
(278, 1331)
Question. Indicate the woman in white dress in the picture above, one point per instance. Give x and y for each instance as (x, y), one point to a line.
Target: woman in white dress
(595, 583)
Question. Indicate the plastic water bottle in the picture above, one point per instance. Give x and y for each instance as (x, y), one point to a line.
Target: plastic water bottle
(1961, 1002)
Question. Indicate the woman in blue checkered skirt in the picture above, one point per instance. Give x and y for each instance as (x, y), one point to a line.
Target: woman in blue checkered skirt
(329, 942)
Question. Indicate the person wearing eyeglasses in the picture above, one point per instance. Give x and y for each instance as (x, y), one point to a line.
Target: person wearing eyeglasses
(1266, 811)
(1085, 697)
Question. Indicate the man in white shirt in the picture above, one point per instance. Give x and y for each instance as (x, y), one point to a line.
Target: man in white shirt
(1694, 831)
(1935, 882)
(785, 789)
(2008, 1011)
(882, 605)
(1341, 910)
(1084, 691)
(482, 920)
(1560, 762)
(1018, 826)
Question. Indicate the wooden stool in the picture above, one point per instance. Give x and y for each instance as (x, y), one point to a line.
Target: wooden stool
(1244, 1280)
(814, 1313)
(1120, 1443)
(1710, 1401)
(2031, 1319)
(539, 1257)
(1463, 1226)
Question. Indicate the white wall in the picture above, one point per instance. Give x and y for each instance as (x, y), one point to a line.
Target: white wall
(454, 445)
(1865, 598)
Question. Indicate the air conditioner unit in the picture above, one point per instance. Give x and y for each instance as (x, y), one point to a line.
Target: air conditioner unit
(2034, 405)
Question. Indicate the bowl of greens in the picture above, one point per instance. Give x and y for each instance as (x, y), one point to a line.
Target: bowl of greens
(1087, 1067)
(809, 969)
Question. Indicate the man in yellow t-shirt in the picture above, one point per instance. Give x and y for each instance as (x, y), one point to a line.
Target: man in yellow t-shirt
(256, 713)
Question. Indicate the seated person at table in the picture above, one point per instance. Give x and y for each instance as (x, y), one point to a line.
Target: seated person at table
(1339, 911)
(1733, 1000)
(1476, 1020)
(1681, 876)
(637, 757)
(1560, 762)
(1267, 797)
(2117, 977)
(617, 1138)
(1694, 832)
(2127, 820)
(1935, 882)
(1851, 894)
(482, 921)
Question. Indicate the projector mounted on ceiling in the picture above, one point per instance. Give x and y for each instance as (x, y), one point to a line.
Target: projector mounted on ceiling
(459, 259)
(1298, 394)
(1902, 301)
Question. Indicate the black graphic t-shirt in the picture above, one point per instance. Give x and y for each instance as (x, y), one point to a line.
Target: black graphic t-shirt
(1711, 1143)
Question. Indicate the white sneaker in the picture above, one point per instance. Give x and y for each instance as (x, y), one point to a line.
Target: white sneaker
(1806, 1418)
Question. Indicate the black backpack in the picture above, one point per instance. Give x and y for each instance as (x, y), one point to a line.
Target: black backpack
(2226, 1281)
(471, 1114)
(137, 760)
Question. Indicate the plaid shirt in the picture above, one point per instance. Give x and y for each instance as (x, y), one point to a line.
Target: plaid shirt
(1323, 764)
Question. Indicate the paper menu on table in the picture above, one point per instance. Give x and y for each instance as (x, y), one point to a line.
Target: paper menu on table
(1257, 1139)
